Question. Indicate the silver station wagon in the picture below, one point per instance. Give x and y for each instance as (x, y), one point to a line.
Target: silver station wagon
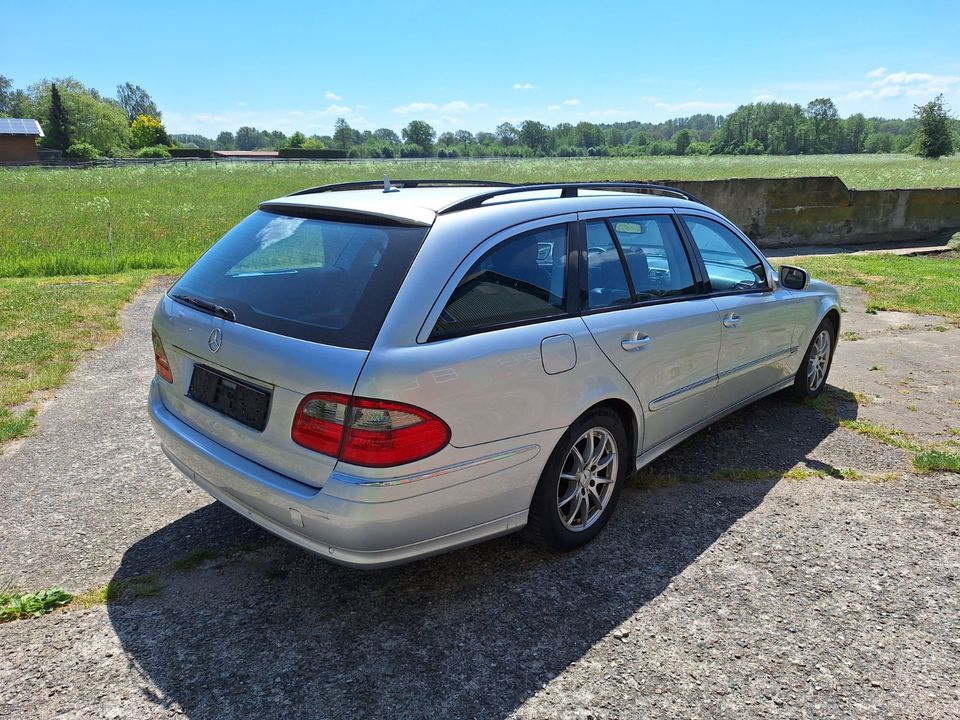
(378, 372)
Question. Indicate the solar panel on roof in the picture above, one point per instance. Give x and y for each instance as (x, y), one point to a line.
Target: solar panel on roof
(20, 126)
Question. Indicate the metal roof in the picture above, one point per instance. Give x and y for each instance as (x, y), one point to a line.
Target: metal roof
(20, 126)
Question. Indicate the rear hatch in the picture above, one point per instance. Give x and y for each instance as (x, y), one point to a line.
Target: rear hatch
(283, 306)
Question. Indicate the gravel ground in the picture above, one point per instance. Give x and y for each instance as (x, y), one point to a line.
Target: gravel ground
(797, 598)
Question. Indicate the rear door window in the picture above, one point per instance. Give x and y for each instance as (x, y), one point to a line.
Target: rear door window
(521, 279)
(328, 281)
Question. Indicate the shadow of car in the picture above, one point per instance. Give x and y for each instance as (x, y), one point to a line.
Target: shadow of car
(277, 632)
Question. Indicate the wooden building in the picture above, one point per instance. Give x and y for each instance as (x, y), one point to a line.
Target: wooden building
(18, 139)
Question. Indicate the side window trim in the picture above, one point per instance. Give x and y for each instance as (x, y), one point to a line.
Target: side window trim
(766, 287)
(501, 236)
(583, 253)
(623, 260)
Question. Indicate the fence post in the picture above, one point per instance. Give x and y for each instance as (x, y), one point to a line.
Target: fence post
(113, 267)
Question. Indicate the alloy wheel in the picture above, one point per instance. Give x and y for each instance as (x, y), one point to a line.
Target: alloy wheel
(587, 479)
(818, 360)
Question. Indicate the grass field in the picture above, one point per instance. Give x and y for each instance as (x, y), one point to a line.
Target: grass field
(55, 222)
(45, 324)
(923, 285)
(59, 291)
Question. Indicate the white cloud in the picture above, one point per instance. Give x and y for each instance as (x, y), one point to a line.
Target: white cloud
(904, 84)
(524, 86)
(461, 106)
(415, 107)
(454, 107)
(331, 95)
(694, 106)
(309, 121)
(608, 113)
(765, 97)
(241, 104)
(572, 101)
(553, 107)
(905, 78)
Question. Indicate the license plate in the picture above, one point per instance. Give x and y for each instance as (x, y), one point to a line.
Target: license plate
(229, 396)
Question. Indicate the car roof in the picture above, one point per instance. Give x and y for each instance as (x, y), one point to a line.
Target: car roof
(421, 205)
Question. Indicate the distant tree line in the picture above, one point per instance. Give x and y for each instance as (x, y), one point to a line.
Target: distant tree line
(755, 129)
(131, 123)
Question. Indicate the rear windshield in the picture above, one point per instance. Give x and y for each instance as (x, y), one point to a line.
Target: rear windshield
(322, 280)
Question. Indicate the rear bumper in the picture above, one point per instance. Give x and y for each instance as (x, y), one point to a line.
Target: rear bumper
(352, 522)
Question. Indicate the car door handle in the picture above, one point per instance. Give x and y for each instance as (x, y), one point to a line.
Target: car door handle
(635, 341)
(731, 320)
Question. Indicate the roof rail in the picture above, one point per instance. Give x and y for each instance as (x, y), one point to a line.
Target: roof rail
(379, 184)
(570, 189)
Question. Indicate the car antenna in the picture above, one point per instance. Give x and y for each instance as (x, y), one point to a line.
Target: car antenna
(387, 187)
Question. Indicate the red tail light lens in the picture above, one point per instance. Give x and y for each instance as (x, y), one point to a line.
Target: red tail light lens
(319, 422)
(373, 433)
(160, 358)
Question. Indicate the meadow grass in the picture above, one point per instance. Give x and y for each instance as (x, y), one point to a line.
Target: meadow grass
(60, 291)
(55, 222)
(45, 324)
(923, 284)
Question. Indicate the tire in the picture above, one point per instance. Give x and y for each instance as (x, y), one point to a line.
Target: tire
(574, 499)
(812, 375)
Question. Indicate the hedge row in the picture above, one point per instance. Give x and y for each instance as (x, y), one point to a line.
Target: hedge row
(312, 153)
(191, 153)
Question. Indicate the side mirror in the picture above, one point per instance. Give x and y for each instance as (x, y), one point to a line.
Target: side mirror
(794, 278)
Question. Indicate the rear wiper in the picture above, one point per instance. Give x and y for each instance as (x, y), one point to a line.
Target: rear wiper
(206, 306)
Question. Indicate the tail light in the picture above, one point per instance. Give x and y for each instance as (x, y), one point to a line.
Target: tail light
(160, 358)
(361, 431)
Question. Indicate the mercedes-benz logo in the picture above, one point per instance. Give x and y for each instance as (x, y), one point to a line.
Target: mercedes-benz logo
(215, 341)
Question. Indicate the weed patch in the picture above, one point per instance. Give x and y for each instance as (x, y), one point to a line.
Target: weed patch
(192, 559)
(14, 605)
(937, 460)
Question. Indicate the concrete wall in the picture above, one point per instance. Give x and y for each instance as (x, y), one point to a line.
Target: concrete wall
(823, 211)
(18, 148)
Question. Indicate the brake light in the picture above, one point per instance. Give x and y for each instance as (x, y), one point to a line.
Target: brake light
(361, 431)
(160, 358)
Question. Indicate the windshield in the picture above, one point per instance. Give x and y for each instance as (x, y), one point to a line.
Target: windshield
(327, 281)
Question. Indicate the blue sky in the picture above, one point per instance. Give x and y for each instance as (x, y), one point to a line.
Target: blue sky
(471, 65)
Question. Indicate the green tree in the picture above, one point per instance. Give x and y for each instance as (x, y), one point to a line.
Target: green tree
(824, 122)
(6, 95)
(589, 135)
(464, 137)
(91, 118)
(420, 134)
(343, 134)
(447, 139)
(296, 140)
(58, 130)
(535, 135)
(387, 135)
(136, 101)
(934, 136)
(247, 138)
(682, 139)
(225, 141)
(506, 134)
(148, 131)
